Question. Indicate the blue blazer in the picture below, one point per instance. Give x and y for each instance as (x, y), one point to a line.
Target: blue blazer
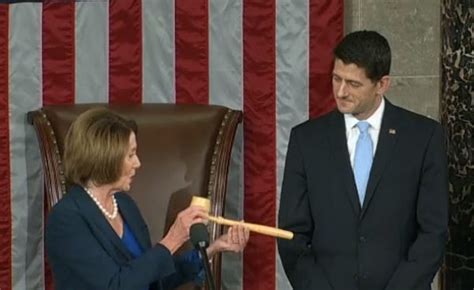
(85, 253)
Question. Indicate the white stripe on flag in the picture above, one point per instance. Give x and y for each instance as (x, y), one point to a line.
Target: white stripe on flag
(225, 58)
(92, 52)
(292, 34)
(226, 88)
(158, 51)
(232, 264)
(25, 95)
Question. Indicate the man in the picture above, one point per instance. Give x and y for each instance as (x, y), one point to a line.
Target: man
(365, 187)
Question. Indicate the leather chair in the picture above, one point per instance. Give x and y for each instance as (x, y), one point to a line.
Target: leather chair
(184, 150)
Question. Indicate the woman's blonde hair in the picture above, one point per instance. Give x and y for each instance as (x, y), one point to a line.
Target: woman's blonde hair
(95, 147)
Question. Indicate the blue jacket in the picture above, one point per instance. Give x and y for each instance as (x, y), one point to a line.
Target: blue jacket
(85, 253)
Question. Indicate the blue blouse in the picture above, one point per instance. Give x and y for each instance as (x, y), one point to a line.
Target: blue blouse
(130, 241)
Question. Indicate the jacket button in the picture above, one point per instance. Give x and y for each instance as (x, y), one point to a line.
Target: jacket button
(356, 277)
(362, 239)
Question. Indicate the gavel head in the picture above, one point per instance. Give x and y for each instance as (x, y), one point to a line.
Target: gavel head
(201, 201)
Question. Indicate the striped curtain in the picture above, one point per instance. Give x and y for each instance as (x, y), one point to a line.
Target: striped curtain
(269, 58)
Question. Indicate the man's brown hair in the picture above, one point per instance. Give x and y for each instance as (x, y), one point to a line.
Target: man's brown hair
(95, 147)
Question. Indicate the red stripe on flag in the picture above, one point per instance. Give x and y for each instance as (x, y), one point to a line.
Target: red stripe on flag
(192, 47)
(58, 59)
(125, 51)
(260, 139)
(5, 189)
(326, 29)
(58, 52)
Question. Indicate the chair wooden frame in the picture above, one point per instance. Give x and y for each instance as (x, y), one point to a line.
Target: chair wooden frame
(55, 183)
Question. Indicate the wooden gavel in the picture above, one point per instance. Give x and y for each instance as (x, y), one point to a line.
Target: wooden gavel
(261, 229)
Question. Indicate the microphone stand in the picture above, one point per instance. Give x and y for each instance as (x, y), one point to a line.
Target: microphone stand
(207, 268)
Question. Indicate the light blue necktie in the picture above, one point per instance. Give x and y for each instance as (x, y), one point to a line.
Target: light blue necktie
(363, 159)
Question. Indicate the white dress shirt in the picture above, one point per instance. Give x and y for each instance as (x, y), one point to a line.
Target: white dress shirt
(352, 132)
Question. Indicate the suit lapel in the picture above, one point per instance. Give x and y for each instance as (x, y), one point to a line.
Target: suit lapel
(129, 214)
(101, 227)
(386, 143)
(338, 141)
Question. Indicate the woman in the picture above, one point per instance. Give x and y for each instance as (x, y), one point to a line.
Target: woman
(96, 237)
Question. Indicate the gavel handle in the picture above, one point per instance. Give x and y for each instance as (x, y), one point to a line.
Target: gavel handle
(266, 230)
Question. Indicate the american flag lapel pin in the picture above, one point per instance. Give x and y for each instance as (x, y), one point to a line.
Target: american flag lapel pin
(392, 131)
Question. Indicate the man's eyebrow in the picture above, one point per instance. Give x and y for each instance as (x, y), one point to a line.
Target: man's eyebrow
(354, 81)
(347, 80)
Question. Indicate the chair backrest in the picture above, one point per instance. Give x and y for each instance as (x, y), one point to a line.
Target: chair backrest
(184, 151)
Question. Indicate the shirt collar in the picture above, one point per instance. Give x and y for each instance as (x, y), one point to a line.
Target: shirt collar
(375, 120)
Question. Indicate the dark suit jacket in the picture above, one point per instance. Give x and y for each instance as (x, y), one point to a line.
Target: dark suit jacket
(85, 253)
(396, 240)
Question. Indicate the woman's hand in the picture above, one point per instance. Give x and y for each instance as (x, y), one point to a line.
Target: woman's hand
(179, 231)
(234, 241)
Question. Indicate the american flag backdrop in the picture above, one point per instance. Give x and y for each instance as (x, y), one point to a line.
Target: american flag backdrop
(272, 59)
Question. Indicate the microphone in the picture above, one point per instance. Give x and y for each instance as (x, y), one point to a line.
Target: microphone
(199, 236)
(200, 240)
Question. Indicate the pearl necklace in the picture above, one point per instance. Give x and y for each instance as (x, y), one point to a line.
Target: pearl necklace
(102, 209)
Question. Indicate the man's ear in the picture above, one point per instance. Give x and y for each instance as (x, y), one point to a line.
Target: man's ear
(383, 85)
